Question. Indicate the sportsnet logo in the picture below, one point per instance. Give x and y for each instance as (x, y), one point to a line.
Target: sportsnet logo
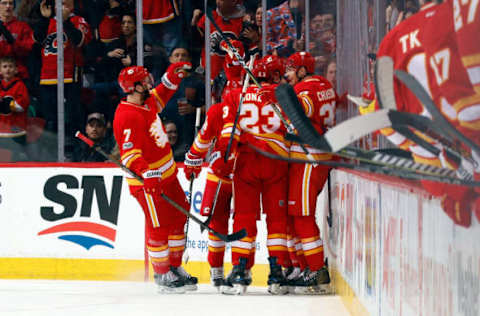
(89, 231)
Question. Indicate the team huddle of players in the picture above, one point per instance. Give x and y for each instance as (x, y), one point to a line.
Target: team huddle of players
(439, 46)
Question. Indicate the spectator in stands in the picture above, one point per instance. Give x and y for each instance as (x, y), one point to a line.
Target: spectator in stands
(95, 130)
(120, 53)
(191, 94)
(281, 30)
(179, 148)
(76, 35)
(15, 37)
(14, 101)
(331, 73)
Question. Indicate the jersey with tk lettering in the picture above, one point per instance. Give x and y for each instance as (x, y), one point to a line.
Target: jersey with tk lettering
(72, 55)
(258, 124)
(403, 44)
(318, 98)
(142, 139)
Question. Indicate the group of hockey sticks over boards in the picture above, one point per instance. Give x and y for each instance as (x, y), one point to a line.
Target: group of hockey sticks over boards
(337, 139)
(227, 238)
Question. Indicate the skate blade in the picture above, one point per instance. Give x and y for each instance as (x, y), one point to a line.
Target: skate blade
(323, 289)
(277, 289)
(191, 287)
(170, 290)
(236, 289)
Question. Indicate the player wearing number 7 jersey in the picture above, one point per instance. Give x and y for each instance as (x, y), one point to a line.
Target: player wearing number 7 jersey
(145, 150)
(306, 181)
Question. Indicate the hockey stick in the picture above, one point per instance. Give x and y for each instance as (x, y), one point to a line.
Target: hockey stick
(376, 166)
(419, 91)
(249, 72)
(230, 140)
(227, 238)
(310, 136)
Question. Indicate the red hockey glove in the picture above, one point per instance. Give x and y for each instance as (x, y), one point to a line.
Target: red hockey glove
(220, 168)
(268, 94)
(152, 181)
(175, 74)
(193, 165)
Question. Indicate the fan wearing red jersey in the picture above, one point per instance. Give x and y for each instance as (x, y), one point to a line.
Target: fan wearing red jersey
(405, 44)
(318, 98)
(229, 17)
(257, 179)
(144, 148)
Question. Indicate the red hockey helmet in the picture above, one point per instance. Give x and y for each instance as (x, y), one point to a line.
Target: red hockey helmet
(300, 59)
(273, 63)
(259, 70)
(130, 76)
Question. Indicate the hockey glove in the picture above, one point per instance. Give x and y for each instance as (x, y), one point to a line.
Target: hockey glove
(193, 165)
(6, 105)
(152, 181)
(175, 74)
(219, 167)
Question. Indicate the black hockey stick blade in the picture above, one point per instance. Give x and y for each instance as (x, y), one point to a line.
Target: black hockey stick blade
(232, 237)
(419, 91)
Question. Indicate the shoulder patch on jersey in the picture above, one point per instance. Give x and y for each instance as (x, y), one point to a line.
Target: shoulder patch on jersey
(127, 146)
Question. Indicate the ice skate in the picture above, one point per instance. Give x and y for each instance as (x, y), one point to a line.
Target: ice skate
(189, 280)
(237, 281)
(277, 283)
(217, 278)
(169, 283)
(314, 283)
(293, 275)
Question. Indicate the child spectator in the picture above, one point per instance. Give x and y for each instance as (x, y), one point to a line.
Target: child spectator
(14, 101)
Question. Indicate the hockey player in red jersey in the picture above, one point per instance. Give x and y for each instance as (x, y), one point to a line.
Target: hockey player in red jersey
(144, 148)
(257, 179)
(406, 45)
(318, 98)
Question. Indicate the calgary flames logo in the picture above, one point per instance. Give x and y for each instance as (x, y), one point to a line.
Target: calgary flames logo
(157, 132)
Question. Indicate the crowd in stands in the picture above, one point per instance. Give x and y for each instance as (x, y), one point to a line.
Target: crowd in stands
(100, 39)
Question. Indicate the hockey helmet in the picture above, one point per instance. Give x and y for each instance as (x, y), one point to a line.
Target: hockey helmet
(273, 63)
(130, 76)
(300, 59)
(259, 70)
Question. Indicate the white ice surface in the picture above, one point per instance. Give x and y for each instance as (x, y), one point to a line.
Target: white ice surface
(90, 298)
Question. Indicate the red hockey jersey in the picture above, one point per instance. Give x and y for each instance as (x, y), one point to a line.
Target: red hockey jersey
(404, 45)
(159, 11)
(21, 47)
(14, 124)
(142, 139)
(318, 98)
(72, 55)
(231, 28)
(258, 123)
(466, 18)
(210, 130)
